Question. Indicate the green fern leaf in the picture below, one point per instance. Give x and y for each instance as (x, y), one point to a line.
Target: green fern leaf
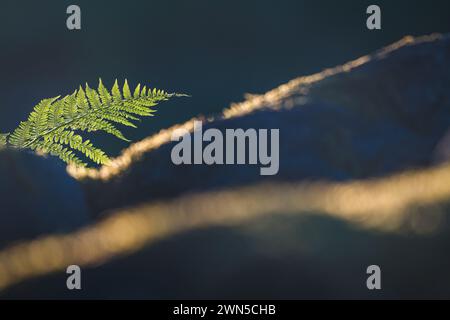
(3, 139)
(53, 125)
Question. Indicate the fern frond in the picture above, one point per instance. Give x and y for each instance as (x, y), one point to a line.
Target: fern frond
(51, 128)
(3, 139)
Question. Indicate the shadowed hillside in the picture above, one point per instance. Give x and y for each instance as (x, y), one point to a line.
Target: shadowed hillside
(363, 180)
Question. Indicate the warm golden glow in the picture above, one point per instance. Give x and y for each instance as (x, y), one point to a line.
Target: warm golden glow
(281, 97)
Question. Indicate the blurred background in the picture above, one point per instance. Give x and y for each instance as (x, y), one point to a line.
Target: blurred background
(214, 50)
(306, 241)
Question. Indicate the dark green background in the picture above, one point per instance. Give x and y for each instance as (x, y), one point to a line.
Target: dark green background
(214, 50)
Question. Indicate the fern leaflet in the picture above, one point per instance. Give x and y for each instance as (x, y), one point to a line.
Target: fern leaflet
(53, 125)
(3, 139)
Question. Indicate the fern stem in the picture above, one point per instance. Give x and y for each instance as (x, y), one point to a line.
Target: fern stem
(52, 126)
